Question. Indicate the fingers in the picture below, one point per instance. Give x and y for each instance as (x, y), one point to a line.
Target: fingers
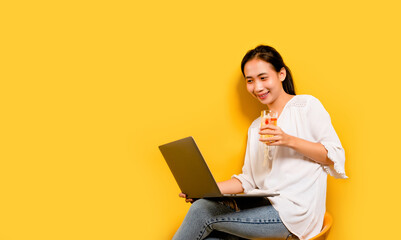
(183, 195)
(274, 143)
(270, 140)
(273, 136)
(269, 135)
(270, 132)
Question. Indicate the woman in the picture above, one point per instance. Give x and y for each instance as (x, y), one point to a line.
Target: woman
(302, 150)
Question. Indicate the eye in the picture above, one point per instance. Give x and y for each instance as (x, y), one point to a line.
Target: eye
(263, 78)
(249, 80)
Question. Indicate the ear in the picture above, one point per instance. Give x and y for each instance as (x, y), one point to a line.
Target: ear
(282, 74)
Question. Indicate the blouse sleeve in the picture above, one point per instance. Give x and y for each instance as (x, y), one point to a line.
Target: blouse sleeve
(246, 176)
(323, 132)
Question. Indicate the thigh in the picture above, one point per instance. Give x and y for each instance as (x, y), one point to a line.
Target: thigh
(256, 218)
(217, 235)
(196, 222)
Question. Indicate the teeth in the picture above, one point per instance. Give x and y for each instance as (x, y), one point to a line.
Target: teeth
(263, 95)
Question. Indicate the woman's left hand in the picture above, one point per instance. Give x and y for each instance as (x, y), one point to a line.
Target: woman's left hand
(279, 138)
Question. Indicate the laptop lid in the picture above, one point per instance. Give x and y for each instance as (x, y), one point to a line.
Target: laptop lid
(192, 174)
(189, 168)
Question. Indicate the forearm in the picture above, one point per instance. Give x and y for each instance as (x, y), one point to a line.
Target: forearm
(315, 151)
(230, 186)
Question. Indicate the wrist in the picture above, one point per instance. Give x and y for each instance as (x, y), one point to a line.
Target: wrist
(292, 142)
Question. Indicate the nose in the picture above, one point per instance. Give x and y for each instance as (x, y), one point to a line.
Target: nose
(258, 86)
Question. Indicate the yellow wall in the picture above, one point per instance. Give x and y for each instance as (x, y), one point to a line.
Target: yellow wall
(89, 89)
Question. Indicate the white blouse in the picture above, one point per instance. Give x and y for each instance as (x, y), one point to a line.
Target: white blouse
(301, 182)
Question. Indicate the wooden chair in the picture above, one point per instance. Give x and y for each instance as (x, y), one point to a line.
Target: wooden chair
(327, 222)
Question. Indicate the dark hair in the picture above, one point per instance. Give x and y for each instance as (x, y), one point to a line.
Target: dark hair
(270, 55)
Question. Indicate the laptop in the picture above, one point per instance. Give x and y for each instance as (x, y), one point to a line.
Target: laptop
(192, 174)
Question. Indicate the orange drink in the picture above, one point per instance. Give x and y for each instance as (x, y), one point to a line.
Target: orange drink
(268, 117)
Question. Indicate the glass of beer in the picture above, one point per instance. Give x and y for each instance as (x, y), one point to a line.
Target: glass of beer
(268, 117)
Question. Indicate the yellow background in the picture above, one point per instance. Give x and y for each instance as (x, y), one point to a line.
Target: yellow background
(89, 89)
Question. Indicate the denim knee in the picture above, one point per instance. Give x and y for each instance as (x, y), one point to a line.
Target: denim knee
(202, 204)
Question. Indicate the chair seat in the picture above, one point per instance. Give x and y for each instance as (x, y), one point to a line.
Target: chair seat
(327, 222)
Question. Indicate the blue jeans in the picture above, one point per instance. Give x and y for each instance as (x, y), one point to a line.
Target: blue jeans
(250, 218)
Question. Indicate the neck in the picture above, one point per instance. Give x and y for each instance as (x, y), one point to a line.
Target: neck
(279, 104)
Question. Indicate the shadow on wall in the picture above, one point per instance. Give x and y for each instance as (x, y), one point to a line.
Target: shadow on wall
(250, 107)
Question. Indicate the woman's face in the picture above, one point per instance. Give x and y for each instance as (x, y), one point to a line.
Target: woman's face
(262, 80)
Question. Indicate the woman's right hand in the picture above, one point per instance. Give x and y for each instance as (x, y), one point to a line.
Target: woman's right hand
(183, 195)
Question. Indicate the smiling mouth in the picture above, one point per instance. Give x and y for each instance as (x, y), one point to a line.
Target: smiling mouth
(263, 96)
